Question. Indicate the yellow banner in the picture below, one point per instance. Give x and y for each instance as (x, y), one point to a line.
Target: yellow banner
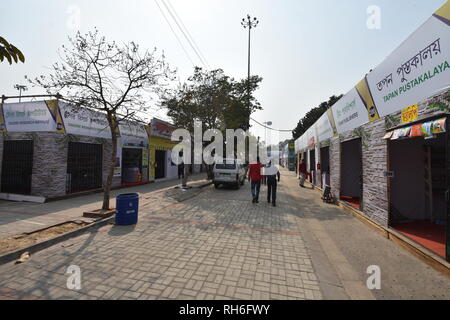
(410, 113)
(366, 96)
(53, 107)
(444, 11)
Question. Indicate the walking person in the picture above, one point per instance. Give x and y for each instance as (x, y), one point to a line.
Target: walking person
(181, 171)
(254, 176)
(303, 173)
(272, 175)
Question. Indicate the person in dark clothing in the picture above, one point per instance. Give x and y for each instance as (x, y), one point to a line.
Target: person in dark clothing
(303, 173)
(272, 174)
(181, 171)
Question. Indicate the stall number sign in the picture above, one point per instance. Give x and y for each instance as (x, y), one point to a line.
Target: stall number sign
(389, 174)
(410, 114)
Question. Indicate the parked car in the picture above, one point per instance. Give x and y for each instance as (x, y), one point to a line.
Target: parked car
(230, 172)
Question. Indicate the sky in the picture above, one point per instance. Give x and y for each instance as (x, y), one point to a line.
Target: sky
(305, 50)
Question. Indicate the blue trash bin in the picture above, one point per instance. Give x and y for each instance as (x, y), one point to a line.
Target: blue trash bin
(127, 207)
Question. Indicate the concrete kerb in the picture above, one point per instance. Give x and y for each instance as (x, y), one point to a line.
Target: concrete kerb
(14, 255)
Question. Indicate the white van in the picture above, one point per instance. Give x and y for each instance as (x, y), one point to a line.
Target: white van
(229, 172)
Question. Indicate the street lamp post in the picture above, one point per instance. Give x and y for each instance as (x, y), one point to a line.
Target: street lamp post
(250, 24)
(20, 88)
(267, 123)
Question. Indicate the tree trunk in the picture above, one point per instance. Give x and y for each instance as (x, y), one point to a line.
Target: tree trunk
(107, 188)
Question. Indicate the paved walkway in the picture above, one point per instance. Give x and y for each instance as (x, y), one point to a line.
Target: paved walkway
(216, 244)
(20, 217)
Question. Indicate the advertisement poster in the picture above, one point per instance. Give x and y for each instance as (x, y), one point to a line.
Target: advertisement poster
(410, 113)
(118, 163)
(28, 117)
(416, 70)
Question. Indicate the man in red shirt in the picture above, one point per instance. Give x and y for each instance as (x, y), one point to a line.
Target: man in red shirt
(254, 176)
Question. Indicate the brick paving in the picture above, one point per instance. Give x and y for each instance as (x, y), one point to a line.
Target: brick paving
(20, 217)
(214, 245)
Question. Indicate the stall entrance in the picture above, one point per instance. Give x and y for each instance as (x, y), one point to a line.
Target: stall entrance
(351, 173)
(131, 165)
(418, 205)
(84, 167)
(325, 166)
(160, 158)
(312, 164)
(17, 166)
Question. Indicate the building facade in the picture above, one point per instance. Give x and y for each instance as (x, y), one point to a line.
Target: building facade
(383, 148)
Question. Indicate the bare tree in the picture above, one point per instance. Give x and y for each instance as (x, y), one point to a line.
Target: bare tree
(114, 80)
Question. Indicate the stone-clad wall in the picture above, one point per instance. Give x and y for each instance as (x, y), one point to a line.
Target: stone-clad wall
(374, 163)
(50, 152)
(49, 165)
(335, 166)
(375, 203)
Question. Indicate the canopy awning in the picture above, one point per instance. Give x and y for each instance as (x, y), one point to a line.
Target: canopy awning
(425, 129)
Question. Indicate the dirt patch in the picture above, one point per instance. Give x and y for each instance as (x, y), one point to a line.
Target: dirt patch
(27, 239)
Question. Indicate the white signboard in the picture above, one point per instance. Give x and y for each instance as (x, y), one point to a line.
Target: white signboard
(133, 134)
(28, 117)
(416, 70)
(84, 122)
(349, 112)
(324, 128)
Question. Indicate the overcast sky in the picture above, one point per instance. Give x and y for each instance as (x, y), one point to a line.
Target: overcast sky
(305, 50)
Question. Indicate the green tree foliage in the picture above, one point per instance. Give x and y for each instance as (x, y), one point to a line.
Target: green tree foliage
(313, 115)
(215, 99)
(10, 52)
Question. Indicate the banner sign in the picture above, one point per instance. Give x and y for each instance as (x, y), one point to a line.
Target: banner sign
(324, 128)
(416, 70)
(84, 122)
(133, 134)
(410, 114)
(28, 117)
(349, 112)
(160, 128)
